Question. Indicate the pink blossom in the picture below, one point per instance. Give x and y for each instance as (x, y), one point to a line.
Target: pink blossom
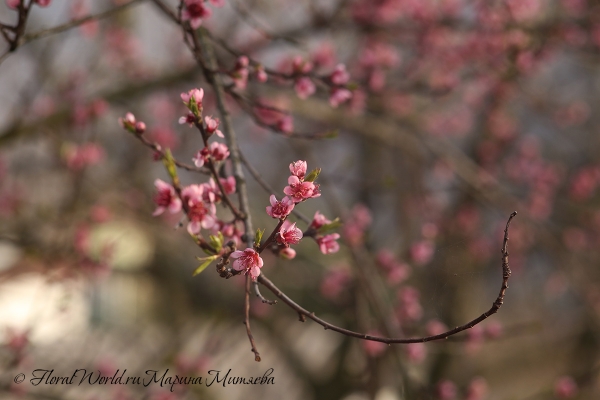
(211, 192)
(128, 122)
(301, 66)
(398, 273)
(280, 209)
(410, 306)
(189, 119)
(324, 56)
(340, 76)
(446, 390)
(298, 168)
(166, 198)
(373, 348)
(218, 152)
(318, 221)
(565, 387)
(211, 126)
(304, 87)
(478, 389)
(285, 124)
(335, 282)
(435, 327)
(289, 234)
(328, 244)
(422, 252)
(300, 191)
(416, 352)
(195, 11)
(240, 72)
(261, 74)
(248, 261)
(79, 157)
(43, 3)
(228, 184)
(17, 340)
(193, 98)
(217, 3)
(339, 96)
(14, 4)
(140, 127)
(192, 193)
(199, 216)
(80, 9)
(288, 253)
(163, 136)
(493, 330)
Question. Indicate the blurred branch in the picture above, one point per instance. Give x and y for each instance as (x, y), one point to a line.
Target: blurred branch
(77, 22)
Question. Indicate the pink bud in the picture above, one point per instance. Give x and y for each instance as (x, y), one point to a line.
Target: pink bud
(565, 387)
(288, 253)
(140, 128)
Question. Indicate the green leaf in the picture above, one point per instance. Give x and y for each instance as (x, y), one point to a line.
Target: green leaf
(206, 262)
(216, 241)
(258, 237)
(313, 175)
(330, 227)
(169, 163)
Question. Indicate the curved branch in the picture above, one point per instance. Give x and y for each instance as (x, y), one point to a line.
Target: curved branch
(494, 309)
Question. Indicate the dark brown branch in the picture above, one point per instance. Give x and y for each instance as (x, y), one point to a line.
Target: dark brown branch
(494, 309)
(247, 319)
(261, 297)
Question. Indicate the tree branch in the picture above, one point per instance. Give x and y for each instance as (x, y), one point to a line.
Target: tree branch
(494, 309)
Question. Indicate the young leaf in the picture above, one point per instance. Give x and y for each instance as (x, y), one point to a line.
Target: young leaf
(330, 227)
(169, 163)
(313, 175)
(258, 237)
(205, 263)
(216, 241)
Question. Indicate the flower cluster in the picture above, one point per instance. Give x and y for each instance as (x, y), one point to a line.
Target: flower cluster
(300, 188)
(198, 201)
(327, 243)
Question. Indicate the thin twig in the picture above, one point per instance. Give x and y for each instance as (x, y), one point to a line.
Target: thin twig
(494, 309)
(158, 149)
(258, 178)
(247, 319)
(261, 297)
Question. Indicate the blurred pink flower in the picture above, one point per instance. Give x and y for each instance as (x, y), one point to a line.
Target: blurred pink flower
(328, 244)
(166, 198)
(195, 11)
(565, 387)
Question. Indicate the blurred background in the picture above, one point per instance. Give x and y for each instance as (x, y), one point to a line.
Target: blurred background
(461, 111)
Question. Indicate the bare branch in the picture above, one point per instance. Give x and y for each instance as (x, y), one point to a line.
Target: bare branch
(494, 309)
